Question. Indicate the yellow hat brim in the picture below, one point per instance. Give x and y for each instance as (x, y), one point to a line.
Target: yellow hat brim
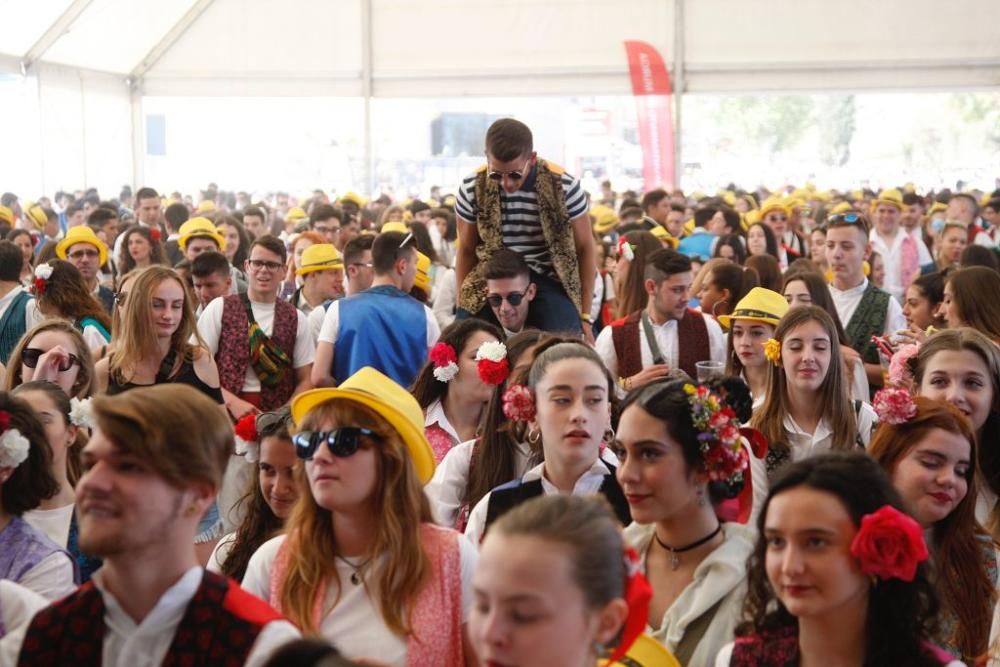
(62, 248)
(313, 268)
(644, 652)
(215, 236)
(416, 442)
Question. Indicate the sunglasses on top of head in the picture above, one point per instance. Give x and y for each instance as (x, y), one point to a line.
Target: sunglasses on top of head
(342, 442)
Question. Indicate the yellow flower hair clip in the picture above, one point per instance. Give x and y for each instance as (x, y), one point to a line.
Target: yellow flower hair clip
(772, 351)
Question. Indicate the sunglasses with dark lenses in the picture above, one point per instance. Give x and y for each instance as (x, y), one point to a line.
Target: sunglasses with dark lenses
(498, 175)
(31, 355)
(341, 442)
(514, 299)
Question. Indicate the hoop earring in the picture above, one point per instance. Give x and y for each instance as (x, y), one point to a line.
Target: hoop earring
(609, 435)
(534, 437)
(716, 305)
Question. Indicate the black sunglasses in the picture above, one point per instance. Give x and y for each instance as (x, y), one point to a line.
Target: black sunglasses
(498, 175)
(30, 356)
(341, 442)
(514, 299)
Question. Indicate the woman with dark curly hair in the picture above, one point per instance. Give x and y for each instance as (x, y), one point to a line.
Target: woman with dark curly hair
(140, 247)
(821, 591)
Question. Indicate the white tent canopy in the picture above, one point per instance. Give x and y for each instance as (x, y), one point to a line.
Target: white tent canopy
(85, 65)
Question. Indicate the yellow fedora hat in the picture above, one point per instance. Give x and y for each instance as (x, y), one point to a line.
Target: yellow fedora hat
(200, 228)
(319, 257)
(760, 305)
(81, 234)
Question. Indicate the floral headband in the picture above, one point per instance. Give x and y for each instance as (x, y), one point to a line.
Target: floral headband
(247, 439)
(626, 249)
(638, 594)
(889, 544)
(491, 362)
(42, 274)
(894, 405)
(719, 435)
(14, 447)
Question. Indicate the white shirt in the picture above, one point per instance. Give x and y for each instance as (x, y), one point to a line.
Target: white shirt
(435, 415)
(210, 327)
(354, 623)
(128, 644)
(846, 302)
(220, 553)
(331, 326)
(892, 255)
(32, 316)
(17, 607)
(666, 339)
(54, 523)
(451, 477)
(588, 485)
(444, 296)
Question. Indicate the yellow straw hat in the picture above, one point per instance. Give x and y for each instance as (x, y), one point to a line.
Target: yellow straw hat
(774, 204)
(759, 305)
(36, 215)
(394, 227)
(6, 215)
(319, 257)
(295, 214)
(81, 234)
(423, 278)
(200, 228)
(605, 218)
(206, 206)
(354, 198)
(891, 197)
(376, 391)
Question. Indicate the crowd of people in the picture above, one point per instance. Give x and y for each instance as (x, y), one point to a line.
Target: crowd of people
(520, 424)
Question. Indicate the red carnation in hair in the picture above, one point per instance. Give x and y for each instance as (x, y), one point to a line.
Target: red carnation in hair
(39, 285)
(492, 372)
(4, 420)
(443, 354)
(246, 428)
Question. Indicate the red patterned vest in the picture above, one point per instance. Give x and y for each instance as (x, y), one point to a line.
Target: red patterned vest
(234, 349)
(218, 628)
(692, 343)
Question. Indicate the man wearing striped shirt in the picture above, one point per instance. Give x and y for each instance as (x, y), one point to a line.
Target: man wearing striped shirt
(531, 206)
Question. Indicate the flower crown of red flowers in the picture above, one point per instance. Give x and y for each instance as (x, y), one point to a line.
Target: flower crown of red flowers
(720, 435)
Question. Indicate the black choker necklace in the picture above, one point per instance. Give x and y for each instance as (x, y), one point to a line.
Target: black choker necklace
(675, 561)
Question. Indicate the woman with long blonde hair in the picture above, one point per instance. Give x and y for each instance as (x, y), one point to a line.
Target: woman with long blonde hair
(362, 563)
(53, 350)
(153, 345)
(808, 409)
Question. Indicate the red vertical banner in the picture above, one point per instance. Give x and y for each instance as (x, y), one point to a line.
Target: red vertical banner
(652, 90)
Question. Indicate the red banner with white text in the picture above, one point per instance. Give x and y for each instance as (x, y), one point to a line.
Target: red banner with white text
(652, 91)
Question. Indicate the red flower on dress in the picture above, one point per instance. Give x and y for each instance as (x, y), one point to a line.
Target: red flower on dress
(518, 403)
(894, 405)
(246, 428)
(154, 234)
(889, 544)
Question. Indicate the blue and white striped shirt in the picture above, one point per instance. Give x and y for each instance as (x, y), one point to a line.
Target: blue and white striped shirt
(520, 224)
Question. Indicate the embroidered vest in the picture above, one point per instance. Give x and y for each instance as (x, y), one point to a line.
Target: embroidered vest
(13, 324)
(436, 610)
(234, 349)
(219, 627)
(868, 320)
(22, 548)
(382, 327)
(780, 648)
(508, 496)
(692, 343)
(555, 222)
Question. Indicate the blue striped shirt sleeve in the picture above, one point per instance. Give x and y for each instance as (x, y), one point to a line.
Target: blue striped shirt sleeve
(576, 197)
(465, 201)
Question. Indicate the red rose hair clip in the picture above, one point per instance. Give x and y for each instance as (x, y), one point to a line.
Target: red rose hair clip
(247, 440)
(889, 544)
(518, 403)
(491, 362)
(638, 593)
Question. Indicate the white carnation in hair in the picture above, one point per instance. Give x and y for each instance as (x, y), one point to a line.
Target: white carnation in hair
(492, 350)
(446, 373)
(248, 449)
(14, 449)
(627, 252)
(43, 271)
(80, 413)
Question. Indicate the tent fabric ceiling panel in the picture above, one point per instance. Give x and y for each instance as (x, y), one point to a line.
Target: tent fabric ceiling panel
(415, 36)
(114, 35)
(274, 40)
(846, 31)
(24, 21)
